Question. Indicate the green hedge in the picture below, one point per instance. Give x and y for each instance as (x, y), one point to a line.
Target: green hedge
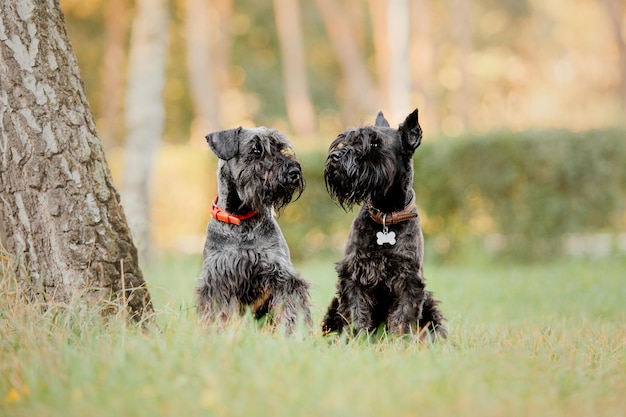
(314, 224)
(529, 189)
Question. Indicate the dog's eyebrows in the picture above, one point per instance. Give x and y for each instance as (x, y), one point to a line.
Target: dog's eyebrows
(286, 149)
(338, 142)
(349, 135)
(261, 140)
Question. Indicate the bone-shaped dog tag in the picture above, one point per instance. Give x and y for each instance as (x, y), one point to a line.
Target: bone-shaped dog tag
(386, 237)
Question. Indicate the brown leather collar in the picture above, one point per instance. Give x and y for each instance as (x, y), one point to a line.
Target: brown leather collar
(222, 215)
(409, 212)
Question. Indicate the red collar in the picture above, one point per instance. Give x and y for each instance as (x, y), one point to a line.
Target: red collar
(228, 218)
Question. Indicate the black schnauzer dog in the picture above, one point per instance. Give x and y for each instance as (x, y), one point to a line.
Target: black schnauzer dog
(246, 259)
(381, 277)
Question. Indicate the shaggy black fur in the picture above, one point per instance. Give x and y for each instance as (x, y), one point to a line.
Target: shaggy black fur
(248, 265)
(380, 283)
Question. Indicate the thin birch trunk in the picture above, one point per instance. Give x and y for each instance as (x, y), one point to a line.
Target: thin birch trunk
(399, 62)
(378, 13)
(145, 114)
(361, 94)
(423, 62)
(461, 22)
(297, 97)
(616, 13)
(113, 75)
(200, 20)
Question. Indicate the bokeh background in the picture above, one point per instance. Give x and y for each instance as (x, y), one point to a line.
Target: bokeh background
(522, 103)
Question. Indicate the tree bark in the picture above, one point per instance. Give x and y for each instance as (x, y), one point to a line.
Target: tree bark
(61, 212)
(299, 105)
(145, 114)
(200, 22)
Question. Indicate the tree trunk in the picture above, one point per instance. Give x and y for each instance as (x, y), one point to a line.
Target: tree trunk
(200, 22)
(61, 212)
(145, 114)
(616, 10)
(113, 76)
(378, 13)
(461, 22)
(223, 42)
(361, 95)
(399, 63)
(423, 62)
(299, 105)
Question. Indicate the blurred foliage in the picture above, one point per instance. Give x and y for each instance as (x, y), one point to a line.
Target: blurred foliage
(314, 224)
(515, 195)
(524, 192)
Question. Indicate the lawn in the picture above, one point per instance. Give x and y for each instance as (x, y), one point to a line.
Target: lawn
(544, 340)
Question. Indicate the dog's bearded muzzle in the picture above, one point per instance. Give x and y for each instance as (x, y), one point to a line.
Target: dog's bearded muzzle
(342, 177)
(274, 186)
(292, 176)
(292, 181)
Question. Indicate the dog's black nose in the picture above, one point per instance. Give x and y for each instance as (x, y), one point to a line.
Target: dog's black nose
(335, 156)
(293, 174)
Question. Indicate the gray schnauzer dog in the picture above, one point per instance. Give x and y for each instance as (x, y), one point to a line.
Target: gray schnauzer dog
(381, 277)
(246, 259)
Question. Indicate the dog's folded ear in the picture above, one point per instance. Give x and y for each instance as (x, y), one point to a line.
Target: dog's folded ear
(380, 120)
(411, 132)
(225, 143)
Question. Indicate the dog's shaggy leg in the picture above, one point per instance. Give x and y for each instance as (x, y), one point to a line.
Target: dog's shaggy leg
(404, 318)
(432, 318)
(291, 303)
(334, 321)
(205, 306)
(362, 309)
(216, 309)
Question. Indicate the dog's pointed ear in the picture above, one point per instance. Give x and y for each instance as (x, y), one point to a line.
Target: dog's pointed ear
(411, 132)
(381, 121)
(225, 143)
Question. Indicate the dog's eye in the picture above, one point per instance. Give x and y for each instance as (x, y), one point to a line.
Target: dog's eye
(375, 144)
(257, 149)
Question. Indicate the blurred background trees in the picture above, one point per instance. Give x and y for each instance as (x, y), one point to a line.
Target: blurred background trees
(313, 67)
(480, 65)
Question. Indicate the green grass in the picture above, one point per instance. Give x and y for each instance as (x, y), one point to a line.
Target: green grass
(544, 340)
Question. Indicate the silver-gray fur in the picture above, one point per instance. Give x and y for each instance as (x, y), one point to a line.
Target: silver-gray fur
(248, 265)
